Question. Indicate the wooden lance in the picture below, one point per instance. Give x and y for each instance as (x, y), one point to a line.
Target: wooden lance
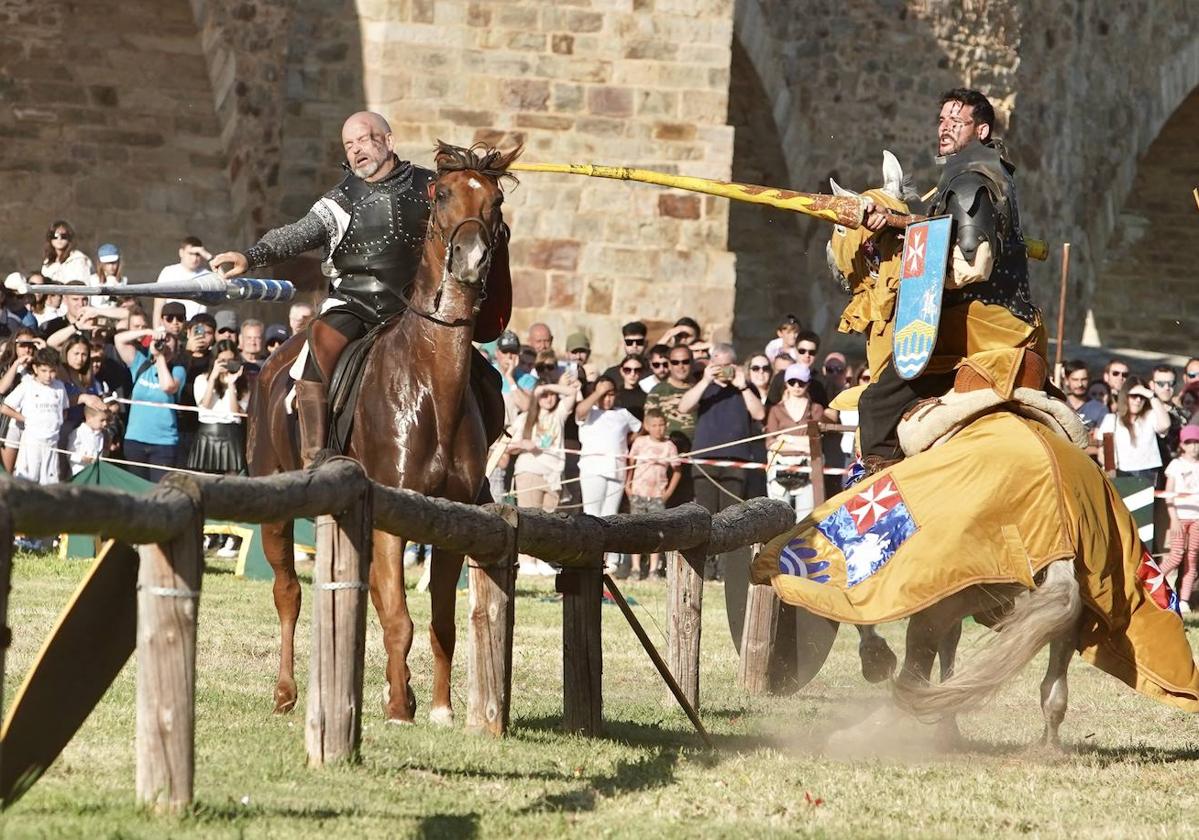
(1061, 311)
(848, 211)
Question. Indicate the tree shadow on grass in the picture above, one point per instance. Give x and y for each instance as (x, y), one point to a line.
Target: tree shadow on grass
(646, 735)
(1136, 753)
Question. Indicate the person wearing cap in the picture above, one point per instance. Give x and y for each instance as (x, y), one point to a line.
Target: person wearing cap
(724, 404)
(633, 338)
(578, 350)
(172, 317)
(274, 336)
(108, 273)
(1140, 418)
(1182, 502)
(226, 324)
(788, 445)
(193, 262)
(517, 386)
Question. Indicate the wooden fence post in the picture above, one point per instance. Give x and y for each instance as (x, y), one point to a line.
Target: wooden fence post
(757, 638)
(492, 616)
(816, 461)
(684, 618)
(582, 656)
(340, 581)
(6, 538)
(168, 600)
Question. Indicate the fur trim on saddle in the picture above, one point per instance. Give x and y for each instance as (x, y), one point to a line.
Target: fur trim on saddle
(932, 422)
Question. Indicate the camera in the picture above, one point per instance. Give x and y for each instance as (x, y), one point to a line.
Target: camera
(160, 345)
(233, 365)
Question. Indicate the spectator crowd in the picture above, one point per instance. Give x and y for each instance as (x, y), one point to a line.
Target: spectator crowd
(86, 377)
(678, 418)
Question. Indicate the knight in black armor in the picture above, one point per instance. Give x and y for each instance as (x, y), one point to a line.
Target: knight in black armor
(371, 229)
(986, 304)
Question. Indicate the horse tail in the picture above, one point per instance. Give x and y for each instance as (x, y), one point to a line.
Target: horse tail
(1036, 618)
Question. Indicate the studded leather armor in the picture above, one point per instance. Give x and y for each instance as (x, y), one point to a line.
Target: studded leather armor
(376, 253)
(977, 190)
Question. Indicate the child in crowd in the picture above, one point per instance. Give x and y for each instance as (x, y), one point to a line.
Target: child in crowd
(787, 337)
(88, 440)
(39, 404)
(1182, 477)
(654, 476)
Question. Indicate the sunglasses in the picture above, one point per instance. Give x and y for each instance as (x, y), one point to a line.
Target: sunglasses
(545, 368)
(631, 369)
(835, 369)
(66, 237)
(172, 317)
(659, 365)
(805, 352)
(680, 362)
(1192, 374)
(759, 368)
(796, 382)
(1169, 384)
(28, 345)
(1119, 374)
(640, 340)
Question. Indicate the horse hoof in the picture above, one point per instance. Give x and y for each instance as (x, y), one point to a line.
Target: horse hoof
(878, 662)
(285, 698)
(398, 715)
(441, 716)
(398, 722)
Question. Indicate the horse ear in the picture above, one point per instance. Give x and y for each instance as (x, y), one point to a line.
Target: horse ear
(892, 175)
(840, 190)
(429, 189)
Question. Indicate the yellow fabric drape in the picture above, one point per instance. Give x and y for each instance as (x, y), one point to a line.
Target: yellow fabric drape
(995, 504)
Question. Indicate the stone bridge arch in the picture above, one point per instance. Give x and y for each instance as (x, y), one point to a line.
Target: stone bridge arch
(1081, 92)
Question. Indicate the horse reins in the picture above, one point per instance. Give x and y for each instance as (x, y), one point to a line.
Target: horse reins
(446, 274)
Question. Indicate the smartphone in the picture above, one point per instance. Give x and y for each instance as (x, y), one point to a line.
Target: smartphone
(233, 365)
(574, 369)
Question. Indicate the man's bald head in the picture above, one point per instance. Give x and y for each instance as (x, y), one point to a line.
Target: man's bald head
(366, 139)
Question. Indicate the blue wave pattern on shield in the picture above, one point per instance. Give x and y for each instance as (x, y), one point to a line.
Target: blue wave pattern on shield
(921, 283)
(869, 528)
(799, 560)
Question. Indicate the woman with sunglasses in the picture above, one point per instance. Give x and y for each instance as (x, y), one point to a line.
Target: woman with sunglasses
(757, 376)
(629, 395)
(788, 445)
(61, 261)
(1140, 419)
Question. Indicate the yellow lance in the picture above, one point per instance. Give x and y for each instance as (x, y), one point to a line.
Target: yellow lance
(848, 211)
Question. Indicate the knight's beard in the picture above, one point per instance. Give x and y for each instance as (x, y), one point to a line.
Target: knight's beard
(369, 169)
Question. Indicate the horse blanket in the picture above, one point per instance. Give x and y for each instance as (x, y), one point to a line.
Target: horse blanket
(994, 504)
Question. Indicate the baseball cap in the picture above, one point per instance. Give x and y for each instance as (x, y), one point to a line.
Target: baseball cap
(226, 319)
(276, 332)
(108, 253)
(578, 341)
(174, 307)
(508, 342)
(798, 371)
(1188, 434)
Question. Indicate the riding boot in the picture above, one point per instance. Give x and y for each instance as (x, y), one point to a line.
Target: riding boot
(312, 411)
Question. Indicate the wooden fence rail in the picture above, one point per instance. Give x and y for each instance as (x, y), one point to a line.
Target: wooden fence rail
(166, 523)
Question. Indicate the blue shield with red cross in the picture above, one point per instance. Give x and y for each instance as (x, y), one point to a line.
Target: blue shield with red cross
(921, 281)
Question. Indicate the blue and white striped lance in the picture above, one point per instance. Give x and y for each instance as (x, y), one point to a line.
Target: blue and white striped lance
(206, 288)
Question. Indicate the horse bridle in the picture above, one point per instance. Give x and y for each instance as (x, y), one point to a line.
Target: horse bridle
(447, 274)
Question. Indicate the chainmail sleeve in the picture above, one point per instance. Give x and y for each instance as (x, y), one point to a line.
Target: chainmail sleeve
(315, 230)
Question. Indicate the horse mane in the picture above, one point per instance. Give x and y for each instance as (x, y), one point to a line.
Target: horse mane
(481, 158)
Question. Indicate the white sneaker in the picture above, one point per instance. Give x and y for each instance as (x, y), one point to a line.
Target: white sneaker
(229, 549)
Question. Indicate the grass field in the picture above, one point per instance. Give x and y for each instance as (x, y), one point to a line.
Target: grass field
(1130, 770)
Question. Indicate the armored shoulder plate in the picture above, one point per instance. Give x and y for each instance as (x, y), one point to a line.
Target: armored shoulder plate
(975, 219)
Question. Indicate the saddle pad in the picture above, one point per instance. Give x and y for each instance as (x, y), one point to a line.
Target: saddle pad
(344, 388)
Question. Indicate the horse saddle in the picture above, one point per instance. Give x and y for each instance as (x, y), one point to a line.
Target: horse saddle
(346, 381)
(344, 387)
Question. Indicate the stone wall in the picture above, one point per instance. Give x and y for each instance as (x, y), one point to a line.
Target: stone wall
(107, 121)
(145, 120)
(1081, 89)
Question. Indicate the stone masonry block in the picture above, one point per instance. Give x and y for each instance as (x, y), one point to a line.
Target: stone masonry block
(528, 288)
(610, 101)
(679, 206)
(598, 296)
(525, 94)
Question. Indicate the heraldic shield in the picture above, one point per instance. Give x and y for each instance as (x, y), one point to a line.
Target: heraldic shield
(925, 258)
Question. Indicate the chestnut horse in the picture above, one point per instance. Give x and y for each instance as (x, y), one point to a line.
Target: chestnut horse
(418, 424)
